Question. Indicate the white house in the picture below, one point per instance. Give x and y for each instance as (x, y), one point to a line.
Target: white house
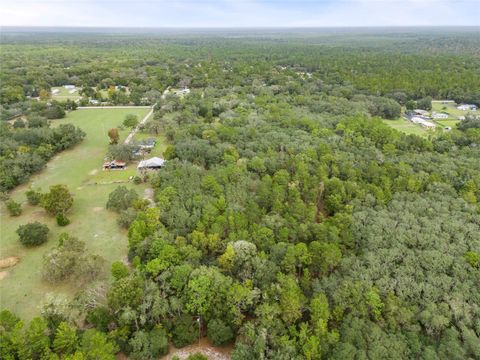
(183, 91)
(151, 164)
(436, 115)
(467, 107)
(69, 87)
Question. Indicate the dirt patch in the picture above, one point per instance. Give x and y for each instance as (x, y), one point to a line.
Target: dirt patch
(3, 275)
(149, 194)
(79, 188)
(9, 262)
(93, 172)
(204, 347)
(97, 208)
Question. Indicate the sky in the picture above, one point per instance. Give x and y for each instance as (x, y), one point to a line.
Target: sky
(239, 13)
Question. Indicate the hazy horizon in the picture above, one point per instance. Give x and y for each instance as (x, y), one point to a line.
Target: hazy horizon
(240, 14)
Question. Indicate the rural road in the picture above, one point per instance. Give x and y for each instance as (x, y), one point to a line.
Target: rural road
(134, 131)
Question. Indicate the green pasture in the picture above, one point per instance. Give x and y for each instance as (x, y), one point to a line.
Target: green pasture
(64, 94)
(451, 123)
(407, 127)
(450, 109)
(22, 289)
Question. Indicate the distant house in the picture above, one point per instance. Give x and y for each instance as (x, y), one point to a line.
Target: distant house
(461, 118)
(421, 112)
(154, 163)
(69, 87)
(114, 165)
(55, 91)
(146, 144)
(183, 91)
(94, 102)
(436, 115)
(467, 107)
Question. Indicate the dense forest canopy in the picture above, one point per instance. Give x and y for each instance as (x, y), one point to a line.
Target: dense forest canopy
(289, 217)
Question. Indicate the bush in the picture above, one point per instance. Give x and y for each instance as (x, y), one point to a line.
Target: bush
(120, 152)
(33, 234)
(119, 270)
(218, 332)
(58, 200)
(149, 345)
(69, 259)
(99, 317)
(33, 196)
(19, 124)
(62, 220)
(185, 332)
(137, 180)
(127, 217)
(54, 112)
(14, 208)
(130, 121)
(121, 199)
(37, 122)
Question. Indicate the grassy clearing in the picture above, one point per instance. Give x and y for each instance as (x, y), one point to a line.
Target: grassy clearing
(22, 290)
(451, 123)
(160, 146)
(64, 94)
(450, 109)
(407, 127)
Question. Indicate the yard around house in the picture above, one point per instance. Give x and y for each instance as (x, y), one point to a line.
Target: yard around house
(407, 127)
(22, 289)
(449, 108)
(64, 94)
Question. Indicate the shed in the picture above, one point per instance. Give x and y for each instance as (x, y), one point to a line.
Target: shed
(114, 165)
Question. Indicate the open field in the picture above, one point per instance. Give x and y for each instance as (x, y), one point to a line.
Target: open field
(22, 289)
(64, 94)
(407, 127)
(450, 109)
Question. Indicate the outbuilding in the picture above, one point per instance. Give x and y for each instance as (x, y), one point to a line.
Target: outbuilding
(467, 107)
(154, 163)
(436, 115)
(114, 165)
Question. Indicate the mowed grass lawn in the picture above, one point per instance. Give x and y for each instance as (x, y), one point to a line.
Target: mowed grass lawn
(407, 127)
(22, 290)
(64, 94)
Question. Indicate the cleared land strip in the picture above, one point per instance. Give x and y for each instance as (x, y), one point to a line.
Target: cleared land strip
(117, 107)
(134, 131)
